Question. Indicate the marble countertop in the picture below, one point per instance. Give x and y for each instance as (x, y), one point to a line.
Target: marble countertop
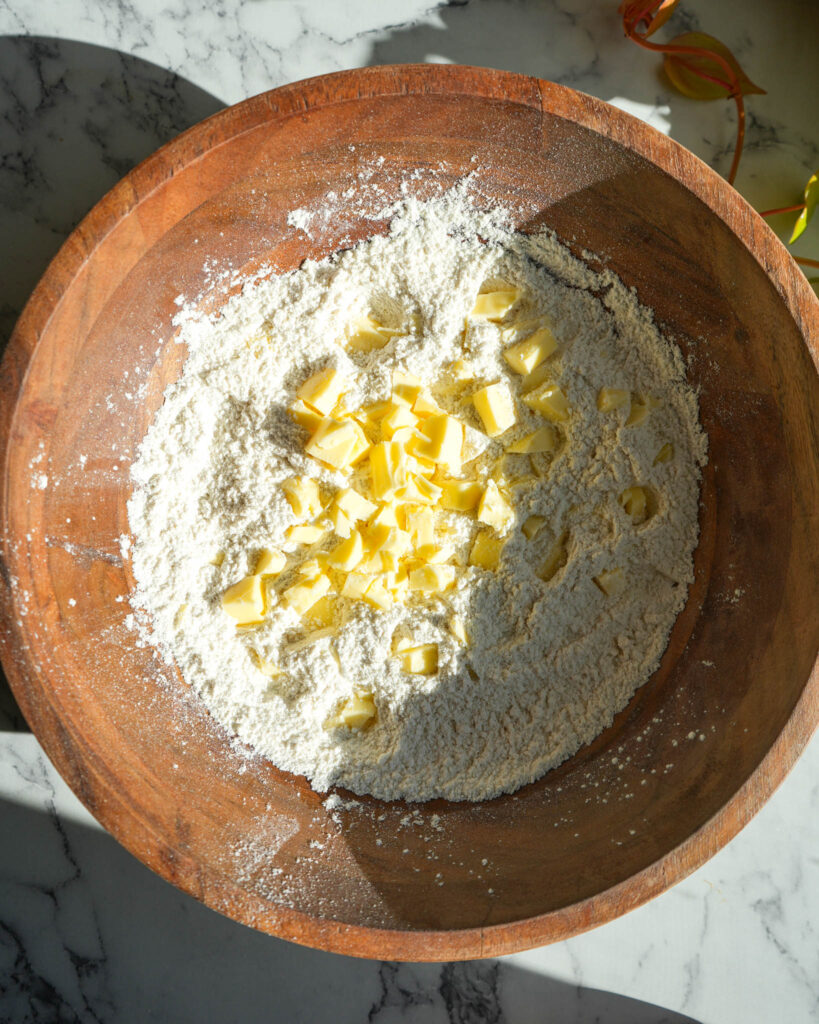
(89, 88)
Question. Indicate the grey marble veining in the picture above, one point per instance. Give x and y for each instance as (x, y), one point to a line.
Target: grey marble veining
(87, 89)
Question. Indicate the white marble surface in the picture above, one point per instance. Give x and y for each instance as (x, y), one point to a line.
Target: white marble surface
(88, 88)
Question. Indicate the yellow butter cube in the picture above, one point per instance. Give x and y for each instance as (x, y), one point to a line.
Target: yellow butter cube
(421, 527)
(399, 416)
(217, 559)
(367, 334)
(303, 595)
(525, 355)
(475, 443)
(494, 306)
(419, 491)
(388, 538)
(610, 581)
(635, 501)
(379, 595)
(460, 495)
(555, 560)
(244, 601)
(421, 660)
(425, 405)
(356, 713)
(322, 390)
(441, 440)
(550, 401)
(346, 556)
(305, 416)
(494, 509)
(312, 566)
(542, 440)
(496, 408)
(665, 454)
(307, 533)
(486, 550)
(436, 554)
(354, 505)
(340, 522)
(432, 579)
(387, 515)
(388, 469)
(458, 629)
(269, 562)
(322, 615)
(406, 388)
(532, 526)
(637, 413)
(338, 443)
(303, 496)
(609, 399)
(355, 585)
(267, 668)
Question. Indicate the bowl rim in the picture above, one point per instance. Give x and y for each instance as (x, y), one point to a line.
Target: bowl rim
(222, 893)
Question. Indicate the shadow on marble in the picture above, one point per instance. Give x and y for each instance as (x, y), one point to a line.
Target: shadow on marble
(89, 934)
(74, 118)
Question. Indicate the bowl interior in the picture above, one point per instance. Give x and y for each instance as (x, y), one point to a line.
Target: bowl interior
(142, 752)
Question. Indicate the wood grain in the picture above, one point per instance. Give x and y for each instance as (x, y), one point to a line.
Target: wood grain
(592, 839)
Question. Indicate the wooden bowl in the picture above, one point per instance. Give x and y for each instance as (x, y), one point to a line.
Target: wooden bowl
(700, 746)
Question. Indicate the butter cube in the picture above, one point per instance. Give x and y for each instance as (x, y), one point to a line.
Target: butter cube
(303, 496)
(494, 306)
(379, 595)
(338, 443)
(244, 601)
(441, 440)
(388, 538)
(494, 509)
(399, 416)
(267, 668)
(634, 501)
(387, 515)
(356, 713)
(532, 526)
(367, 334)
(419, 491)
(425, 405)
(406, 388)
(550, 402)
(321, 615)
(665, 454)
(270, 562)
(486, 550)
(525, 355)
(373, 413)
(638, 412)
(303, 595)
(475, 443)
(388, 469)
(421, 660)
(355, 585)
(322, 390)
(421, 527)
(610, 581)
(432, 579)
(609, 399)
(458, 629)
(305, 534)
(496, 408)
(346, 556)
(354, 505)
(340, 522)
(312, 566)
(460, 495)
(217, 559)
(305, 416)
(542, 440)
(555, 560)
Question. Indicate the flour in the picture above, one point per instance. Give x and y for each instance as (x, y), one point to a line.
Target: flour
(548, 664)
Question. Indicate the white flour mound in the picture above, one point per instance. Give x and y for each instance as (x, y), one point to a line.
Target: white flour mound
(549, 663)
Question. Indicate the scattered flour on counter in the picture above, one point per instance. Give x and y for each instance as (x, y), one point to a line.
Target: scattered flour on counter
(549, 663)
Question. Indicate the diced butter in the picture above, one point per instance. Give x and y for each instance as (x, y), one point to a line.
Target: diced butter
(432, 579)
(637, 413)
(665, 454)
(399, 416)
(634, 501)
(217, 559)
(303, 496)
(267, 668)
(550, 402)
(418, 490)
(486, 550)
(388, 469)
(312, 566)
(611, 581)
(340, 522)
(379, 595)
(525, 355)
(270, 562)
(388, 538)
(494, 306)
(609, 399)
(356, 713)
(406, 388)
(532, 526)
(307, 533)
(321, 615)
(555, 560)
(425, 405)
(347, 554)
(367, 334)
(305, 416)
(355, 585)
(460, 495)
(354, 505)
(542, 440)
(421, 527)
(458, 629)
(494, 509)
(244, 601)
(338, 443)
(421, 660)
(322, 390)
(441, 440)
(496, 408)
(303, 595)
(475, 443)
